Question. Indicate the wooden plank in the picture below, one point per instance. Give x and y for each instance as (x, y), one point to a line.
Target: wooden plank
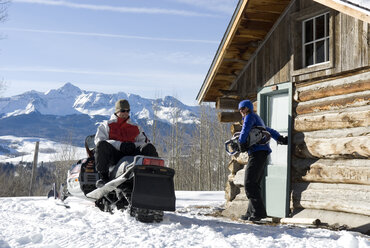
(334, 103)
(353, 171)
(348, 118)
(229, 116)
(350, 198)
(227, 103)
(352, 143)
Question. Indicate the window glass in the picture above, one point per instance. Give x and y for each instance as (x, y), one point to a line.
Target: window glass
(309, 54)
(309, 31)
(320, 27)
(320, 51)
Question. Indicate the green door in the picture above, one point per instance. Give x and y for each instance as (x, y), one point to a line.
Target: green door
(275, 108)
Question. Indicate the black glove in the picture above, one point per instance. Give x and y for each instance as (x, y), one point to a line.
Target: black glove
(243, 147)
(282, 140)
(127, 148)
(149, 150)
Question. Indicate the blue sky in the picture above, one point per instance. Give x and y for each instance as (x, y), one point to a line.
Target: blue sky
(146, 47)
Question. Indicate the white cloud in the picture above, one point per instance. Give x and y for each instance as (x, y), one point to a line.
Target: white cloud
(109, 35)
(114, 8)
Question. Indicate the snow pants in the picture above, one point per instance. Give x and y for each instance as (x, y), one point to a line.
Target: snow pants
(254, 173)
(107, 155)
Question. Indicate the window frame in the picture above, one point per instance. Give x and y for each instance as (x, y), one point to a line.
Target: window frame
(296, 20)
(326, 39)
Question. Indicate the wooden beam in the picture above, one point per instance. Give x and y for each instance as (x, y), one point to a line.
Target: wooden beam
(225, 77)
(334, 102)
(227, 103)
(229, 116)
(350, 198)
(332, 88)
(355, 171)
(236, 61)
(231, 93)
(252, 34)
(348, 9)
(348, 118)
(351, 143)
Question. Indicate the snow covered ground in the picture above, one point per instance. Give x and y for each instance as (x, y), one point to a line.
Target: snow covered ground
(39, 222)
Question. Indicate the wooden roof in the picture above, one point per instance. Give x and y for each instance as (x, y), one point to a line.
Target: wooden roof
(354, 8)
(251, 22)
(249, 26)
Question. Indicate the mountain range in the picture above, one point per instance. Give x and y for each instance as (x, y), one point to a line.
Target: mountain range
(69, 114)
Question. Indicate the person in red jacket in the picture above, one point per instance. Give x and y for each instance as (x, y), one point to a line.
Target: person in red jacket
(119, 137)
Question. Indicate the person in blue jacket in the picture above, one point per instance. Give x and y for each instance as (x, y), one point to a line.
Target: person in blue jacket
(257, 161)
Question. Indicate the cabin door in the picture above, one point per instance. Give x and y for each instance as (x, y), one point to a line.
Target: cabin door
(275, 108)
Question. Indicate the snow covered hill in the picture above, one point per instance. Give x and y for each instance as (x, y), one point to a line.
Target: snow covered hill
(38, 222)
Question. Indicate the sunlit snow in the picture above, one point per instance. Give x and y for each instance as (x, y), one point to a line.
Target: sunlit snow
(39, 222)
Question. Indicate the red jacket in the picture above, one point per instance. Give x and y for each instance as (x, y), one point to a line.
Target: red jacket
(116, 130)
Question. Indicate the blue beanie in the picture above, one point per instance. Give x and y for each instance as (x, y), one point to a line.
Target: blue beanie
(246, 104)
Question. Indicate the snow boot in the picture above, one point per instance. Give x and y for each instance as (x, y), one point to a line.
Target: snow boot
(104, 178)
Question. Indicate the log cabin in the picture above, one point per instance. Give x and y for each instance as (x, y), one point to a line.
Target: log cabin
(306, 66)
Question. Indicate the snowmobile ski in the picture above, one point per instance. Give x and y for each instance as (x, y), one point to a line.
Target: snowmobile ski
(106, 189)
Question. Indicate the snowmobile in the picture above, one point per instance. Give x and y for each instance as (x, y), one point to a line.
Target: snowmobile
(141, 184)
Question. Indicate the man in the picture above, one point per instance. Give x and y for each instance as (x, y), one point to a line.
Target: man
(116, 138)
(258, 155)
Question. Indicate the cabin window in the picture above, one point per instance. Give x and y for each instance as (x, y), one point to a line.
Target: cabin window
(315, 39)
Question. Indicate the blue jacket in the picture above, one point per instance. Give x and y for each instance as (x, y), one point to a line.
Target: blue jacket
(252, 120)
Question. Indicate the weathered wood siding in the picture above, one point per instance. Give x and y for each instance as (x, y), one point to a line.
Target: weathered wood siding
(276, 61)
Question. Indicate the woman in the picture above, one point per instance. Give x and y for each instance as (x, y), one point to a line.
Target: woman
(258, 155)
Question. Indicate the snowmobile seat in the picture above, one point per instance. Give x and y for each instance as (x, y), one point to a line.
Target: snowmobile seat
(121, 167)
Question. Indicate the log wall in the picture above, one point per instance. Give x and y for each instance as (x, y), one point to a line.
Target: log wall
(331, 145)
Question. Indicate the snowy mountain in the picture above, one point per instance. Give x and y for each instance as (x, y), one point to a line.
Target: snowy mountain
(39, 222)
(70, 100)
(70, 114)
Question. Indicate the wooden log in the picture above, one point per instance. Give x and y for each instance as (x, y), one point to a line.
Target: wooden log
(235, 127)
(334, 103)
(300, 221)
(348, 118)
(234, 167)
(239, 178)
(227, 103)
(351, 143)
(231, 191)
(229, 116)
(350, 198)
(340, 86)
(230, 93)
(241, 158)
(353, 171)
